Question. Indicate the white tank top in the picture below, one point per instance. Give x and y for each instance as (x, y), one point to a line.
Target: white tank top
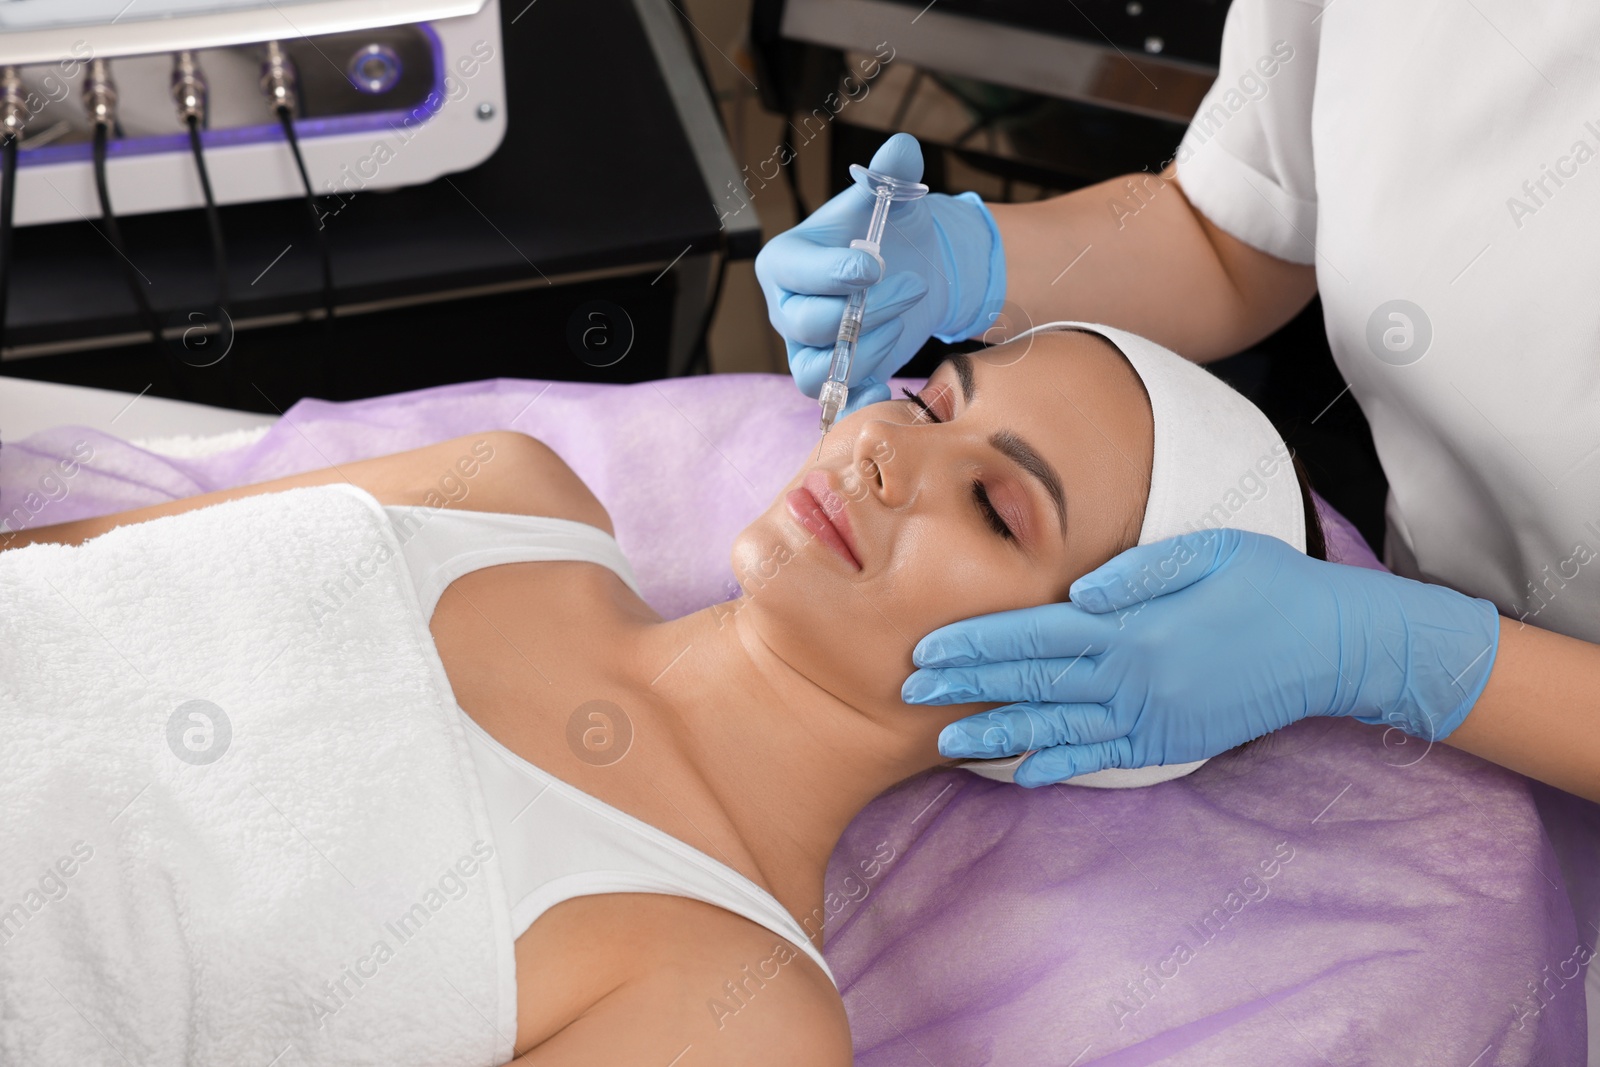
(554, 841)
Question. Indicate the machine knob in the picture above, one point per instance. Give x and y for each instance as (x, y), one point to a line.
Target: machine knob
(374, 68)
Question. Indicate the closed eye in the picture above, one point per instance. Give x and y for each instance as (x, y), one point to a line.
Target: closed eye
(980, 494)
(921, 403)
(996, 523)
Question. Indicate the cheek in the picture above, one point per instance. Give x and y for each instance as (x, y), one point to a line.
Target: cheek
(944, 571)
(854, 637)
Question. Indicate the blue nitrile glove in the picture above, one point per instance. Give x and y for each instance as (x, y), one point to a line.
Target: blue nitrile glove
(943, 276)
(1184, 648)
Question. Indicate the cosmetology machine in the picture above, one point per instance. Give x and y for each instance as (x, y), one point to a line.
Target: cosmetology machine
(120, 107)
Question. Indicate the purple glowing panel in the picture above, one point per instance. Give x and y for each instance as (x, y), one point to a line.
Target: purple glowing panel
(267, 131)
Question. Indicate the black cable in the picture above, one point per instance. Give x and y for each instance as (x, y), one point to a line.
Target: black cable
(114, 236)
(219, 255)
(700, 357)
(8, 195)
(897, 123)
(219, 258)
(287, 118)
(791, 173)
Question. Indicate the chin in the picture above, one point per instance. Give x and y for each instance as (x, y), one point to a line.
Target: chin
(766, 553)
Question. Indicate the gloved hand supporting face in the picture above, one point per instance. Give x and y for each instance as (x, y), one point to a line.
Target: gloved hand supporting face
(1181, 649)
(943, 276)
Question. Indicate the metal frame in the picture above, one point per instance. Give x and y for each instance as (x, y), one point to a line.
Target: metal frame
(698, 113)
(1064, 67)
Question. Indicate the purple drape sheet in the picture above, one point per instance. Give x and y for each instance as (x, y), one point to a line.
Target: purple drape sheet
(1327, 895)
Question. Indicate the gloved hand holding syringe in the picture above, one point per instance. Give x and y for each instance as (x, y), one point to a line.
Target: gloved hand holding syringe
(939, 272)
(886, 190)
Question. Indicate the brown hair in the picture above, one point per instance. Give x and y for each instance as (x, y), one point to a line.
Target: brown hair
(1316, 539)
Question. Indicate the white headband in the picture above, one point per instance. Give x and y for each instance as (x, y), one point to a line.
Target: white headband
(1217, 462)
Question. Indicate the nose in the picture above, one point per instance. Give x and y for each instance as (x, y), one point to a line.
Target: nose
(883, 464)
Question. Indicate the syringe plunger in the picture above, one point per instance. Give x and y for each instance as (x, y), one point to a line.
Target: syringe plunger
(885, 189)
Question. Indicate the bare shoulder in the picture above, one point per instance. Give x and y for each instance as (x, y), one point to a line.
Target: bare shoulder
(502, 471)
(715, 991)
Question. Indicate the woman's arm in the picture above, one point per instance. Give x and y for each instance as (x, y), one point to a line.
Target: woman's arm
(496, 470)
(1539, 714)
(1150, 263)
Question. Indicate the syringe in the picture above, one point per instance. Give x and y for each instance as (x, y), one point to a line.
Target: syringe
(886, 189)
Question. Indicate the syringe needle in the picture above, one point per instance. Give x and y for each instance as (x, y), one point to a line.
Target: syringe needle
(819, 443)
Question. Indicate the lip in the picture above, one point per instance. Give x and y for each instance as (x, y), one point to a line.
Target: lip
(821, 509)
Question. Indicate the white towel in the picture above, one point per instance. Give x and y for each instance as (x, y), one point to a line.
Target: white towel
(241, 823)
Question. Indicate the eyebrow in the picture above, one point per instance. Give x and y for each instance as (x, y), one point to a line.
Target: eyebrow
(1013, 446)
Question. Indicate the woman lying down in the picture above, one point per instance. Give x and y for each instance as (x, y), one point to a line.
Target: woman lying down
(308, 773)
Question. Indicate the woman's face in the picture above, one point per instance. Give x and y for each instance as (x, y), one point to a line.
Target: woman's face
(1029, 468)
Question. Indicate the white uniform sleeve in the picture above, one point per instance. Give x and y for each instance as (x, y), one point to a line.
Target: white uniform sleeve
(1245, 162)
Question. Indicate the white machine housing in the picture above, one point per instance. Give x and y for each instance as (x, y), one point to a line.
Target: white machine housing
(460, 124)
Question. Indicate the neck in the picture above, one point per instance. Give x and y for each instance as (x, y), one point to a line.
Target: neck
(787, 761)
